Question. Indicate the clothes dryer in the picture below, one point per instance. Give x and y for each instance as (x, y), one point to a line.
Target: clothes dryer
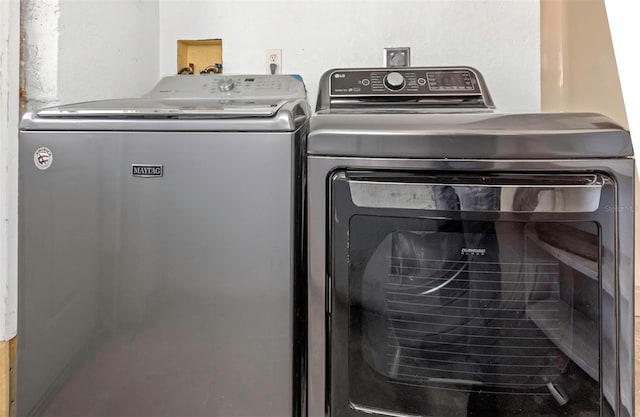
(463, 262)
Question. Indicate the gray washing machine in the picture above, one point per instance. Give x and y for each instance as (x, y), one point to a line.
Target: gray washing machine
(158, 252)
(463, 262)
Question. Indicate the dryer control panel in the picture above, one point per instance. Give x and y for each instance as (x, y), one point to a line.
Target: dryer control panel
(428, 87)
(411, 81)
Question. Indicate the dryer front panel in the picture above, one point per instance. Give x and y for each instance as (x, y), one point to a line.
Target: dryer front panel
(472, 294)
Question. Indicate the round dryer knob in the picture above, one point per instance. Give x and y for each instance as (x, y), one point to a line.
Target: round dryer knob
(226, 84)
(394, 81)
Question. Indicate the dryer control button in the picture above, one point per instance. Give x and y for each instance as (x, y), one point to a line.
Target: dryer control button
(394, 81)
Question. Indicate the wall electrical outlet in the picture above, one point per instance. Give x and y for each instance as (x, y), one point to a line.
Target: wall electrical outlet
(273, 61)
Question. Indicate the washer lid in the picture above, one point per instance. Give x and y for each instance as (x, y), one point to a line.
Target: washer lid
(194, 102)
(168, 108)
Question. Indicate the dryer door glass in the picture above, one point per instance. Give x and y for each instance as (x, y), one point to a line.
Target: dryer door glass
(444, 313)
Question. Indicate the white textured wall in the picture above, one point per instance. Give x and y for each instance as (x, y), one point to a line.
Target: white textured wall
(9, 88)
(499, 37)
(40, 29)
(107, 49)
(79, 50)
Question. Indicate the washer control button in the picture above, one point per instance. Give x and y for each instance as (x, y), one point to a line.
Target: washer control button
(226, 84)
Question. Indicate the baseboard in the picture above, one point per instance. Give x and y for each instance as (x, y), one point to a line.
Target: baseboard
(7, 378)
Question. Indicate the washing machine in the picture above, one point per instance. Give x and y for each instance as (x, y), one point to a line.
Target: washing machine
(461, 261)
(158, 248)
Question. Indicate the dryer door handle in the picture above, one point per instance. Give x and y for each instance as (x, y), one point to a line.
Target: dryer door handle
(583, 196)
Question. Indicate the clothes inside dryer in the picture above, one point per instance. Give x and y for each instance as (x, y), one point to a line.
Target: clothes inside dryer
(466, 312)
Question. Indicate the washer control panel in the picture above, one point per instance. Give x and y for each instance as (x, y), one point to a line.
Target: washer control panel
(228, 86)
(404, 82)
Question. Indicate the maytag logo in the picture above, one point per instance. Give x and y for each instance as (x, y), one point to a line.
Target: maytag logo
(473, 252)
(146, 171)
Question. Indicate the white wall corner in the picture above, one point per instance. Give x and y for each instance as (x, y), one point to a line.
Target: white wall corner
(40, 28)
(9, 113)
(623, 18)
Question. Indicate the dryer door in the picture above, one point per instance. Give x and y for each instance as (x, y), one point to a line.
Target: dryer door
(472, 295)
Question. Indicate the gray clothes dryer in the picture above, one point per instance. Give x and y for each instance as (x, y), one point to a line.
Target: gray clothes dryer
(158, 251)
(463, 262)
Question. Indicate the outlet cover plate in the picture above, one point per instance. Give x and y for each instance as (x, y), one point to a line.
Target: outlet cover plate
(273, 56)
(397, 57)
